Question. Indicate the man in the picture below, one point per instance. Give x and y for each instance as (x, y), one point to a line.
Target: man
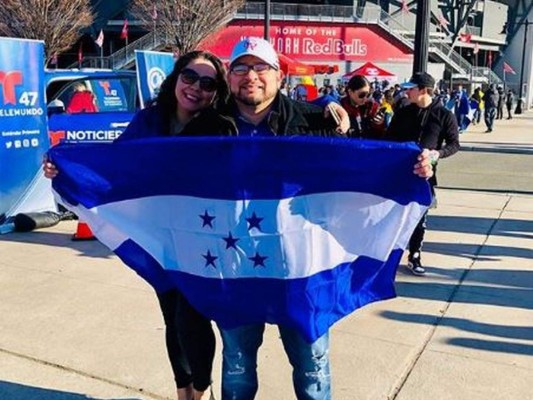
(491, 99)
(501, 100)
(509, 100)
(426, 122)
(259, 109)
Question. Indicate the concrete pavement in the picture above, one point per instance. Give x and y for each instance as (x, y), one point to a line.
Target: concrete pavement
(76, 324)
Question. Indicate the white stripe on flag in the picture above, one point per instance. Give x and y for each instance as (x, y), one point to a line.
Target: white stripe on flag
(313, 233)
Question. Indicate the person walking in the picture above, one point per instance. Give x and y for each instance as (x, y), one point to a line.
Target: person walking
(509, 100)
(490, 99)
(501, 101)
(427, 122)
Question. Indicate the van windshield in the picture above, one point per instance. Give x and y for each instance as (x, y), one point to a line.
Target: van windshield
(91, 95)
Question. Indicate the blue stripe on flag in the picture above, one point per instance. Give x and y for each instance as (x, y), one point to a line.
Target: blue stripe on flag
(310, 305)
(236, 168)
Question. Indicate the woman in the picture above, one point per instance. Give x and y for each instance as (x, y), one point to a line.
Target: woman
(366, 119)
(185, 106)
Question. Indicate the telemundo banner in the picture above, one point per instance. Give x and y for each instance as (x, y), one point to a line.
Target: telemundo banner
(23, 131)
(152, 69)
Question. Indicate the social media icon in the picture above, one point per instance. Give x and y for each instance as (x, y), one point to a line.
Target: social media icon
(25, 143)
(34, 142)
(18, 144)
(9, 145)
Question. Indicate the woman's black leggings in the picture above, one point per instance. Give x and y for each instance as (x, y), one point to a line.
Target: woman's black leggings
(190, 341)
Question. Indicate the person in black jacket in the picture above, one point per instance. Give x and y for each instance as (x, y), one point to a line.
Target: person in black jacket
(428, 123)
(259, 109)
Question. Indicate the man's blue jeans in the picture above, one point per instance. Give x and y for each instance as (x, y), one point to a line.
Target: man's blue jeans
(310, 362)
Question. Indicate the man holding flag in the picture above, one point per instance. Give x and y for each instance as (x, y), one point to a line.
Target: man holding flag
(261, 113)
(259, 109)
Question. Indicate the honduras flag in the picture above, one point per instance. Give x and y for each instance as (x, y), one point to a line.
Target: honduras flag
(299, 231)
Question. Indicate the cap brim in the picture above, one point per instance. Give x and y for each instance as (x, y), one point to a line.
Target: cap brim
(408, 85)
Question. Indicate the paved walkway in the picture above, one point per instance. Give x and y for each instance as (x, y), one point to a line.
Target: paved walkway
(76, 324)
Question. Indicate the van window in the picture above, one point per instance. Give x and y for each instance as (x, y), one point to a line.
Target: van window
(98, 95)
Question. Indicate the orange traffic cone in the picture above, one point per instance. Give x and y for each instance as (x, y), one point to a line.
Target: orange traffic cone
(83, 232)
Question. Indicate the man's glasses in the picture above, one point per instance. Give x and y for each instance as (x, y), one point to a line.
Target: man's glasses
(243, 69)
(190, 77)
(363, 95)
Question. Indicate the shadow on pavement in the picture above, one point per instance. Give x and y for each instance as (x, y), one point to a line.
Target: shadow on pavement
(489, 253)
(504, 227)
(499, 148)
(17, 391)
(89, 248)
(499, 331)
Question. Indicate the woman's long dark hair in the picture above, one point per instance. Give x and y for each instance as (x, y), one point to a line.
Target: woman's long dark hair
(357, 82)
(166, 99)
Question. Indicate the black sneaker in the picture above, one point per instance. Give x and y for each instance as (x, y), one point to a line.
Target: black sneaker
(414, 264)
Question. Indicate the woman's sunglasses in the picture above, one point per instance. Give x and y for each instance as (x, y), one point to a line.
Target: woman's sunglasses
(190, 77)
(363, 95)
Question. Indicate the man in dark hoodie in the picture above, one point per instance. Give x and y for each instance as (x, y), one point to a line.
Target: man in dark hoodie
(491, 98)
(501, 100)
(427, 122)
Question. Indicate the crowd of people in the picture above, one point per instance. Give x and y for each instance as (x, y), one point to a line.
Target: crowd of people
(199, 98)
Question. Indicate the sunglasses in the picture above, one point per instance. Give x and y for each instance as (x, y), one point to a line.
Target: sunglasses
(190, 77)
(243, 69)
(363, 95)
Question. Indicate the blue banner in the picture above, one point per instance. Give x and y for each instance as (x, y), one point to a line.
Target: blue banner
(23, 133)
(152, 69)
(87, 128)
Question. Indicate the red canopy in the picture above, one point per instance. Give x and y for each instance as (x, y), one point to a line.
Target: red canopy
(371, 71)
(293, 67)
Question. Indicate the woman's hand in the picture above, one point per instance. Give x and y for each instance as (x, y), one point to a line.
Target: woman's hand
(50, 170)
(340, 115)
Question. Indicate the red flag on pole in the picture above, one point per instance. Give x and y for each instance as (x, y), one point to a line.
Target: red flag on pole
(124, 32)
(465, 37)
(508, 68)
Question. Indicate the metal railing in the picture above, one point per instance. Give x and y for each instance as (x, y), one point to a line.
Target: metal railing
(126, 55)
(297, 12)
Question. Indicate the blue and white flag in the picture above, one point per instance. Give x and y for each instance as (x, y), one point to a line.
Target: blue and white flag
(295, 231)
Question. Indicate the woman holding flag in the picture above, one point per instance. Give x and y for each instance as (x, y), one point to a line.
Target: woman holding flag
(185, 106)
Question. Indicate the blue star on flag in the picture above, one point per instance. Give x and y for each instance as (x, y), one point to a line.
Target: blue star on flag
(209, 259)
(207, 219)
(230, 241)
(254, 221)
(258, 260)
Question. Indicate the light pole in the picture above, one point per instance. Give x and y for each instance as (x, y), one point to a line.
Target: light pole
(423, 13)
(518, 109)
(266, 34)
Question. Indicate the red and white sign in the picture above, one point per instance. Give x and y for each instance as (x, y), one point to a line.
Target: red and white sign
(371, 72)
(315, 42)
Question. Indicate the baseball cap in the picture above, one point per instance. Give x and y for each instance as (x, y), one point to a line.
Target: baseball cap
(254, 46)
(419, 79)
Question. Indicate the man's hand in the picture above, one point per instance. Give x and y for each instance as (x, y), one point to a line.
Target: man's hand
(50, 170)
(423, 167)
(340, 115)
